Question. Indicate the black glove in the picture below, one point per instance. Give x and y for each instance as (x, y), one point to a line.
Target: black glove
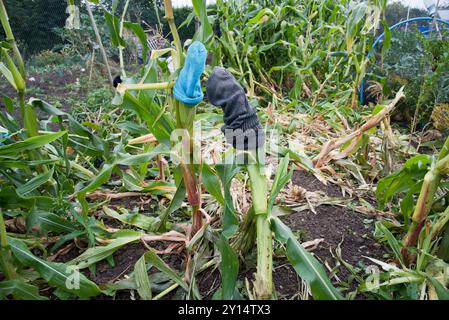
(242, 128)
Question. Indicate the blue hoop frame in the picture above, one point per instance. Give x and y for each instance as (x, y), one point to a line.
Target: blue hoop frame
(379, 39)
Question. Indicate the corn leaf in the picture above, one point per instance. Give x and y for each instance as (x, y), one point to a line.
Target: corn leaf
(442, 292)
(229, 268)
(175, 204)
(205, 32)
(20, 290)
(135, 219)
(230, 222)
(56, 274)
(7, 74)
(392, 241)
(48, 221)
(95, 254)
(141, 35)
(212, 183)
(113, 24)
(35, 183)
(305, 265)
(30, 143)
(138, 159)
(158, 263)
(282, 177)
(142, 280)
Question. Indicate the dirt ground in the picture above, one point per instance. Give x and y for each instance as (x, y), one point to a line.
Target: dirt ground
(59, 83)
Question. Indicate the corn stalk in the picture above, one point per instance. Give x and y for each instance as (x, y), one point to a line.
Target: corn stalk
(18, 76)
(264, 283)
(5, 255)
(120, 48)
(100, 43)
(11, 40)
(184, 120)
(426, 198)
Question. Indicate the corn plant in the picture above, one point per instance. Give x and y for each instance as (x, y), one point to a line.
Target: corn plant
(264, 282)
(124, 154)
(262, 48)
(421, 175)
(5, 254)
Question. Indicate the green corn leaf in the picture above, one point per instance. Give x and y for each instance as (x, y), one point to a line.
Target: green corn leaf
(35, 183)
(26, 164)
(159, 124)
(392, 241)
(230, 222)
(175, 204)
(11, 200)
(141, 35)
(444, 150)
(8, 75)
(212, 183)
(142, 281)
(158, 263)
(56, 274)
(113, 24)
(19, 82)
(387, 38)
(30, 143)
(282, 177)
(403, 180)
(102, 177)
(95, 254)
(305, 264)
(20, 290)
(138, 159)
(205, 32)
(47, 221)
(443, 250)
(114, 5)
(258, 18)
(159, 188)
(95, 145)
(135, 219)
(442, 292)
(229, 268)
(352, 25)
(46, 107)
(146, 97)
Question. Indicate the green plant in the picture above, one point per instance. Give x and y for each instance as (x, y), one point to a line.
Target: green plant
(47, 58)
(262, 48)
(415, 61)
(421, 175)
(98, 178)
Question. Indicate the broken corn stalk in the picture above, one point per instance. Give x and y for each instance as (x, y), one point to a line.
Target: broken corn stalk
(263, 285)
(426, 198)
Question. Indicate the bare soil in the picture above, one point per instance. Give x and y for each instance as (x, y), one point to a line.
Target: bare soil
(338, 226)
(60, 84)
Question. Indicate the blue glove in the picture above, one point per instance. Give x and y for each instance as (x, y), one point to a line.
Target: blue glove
(188, 86)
